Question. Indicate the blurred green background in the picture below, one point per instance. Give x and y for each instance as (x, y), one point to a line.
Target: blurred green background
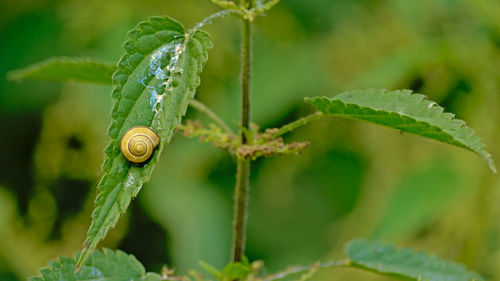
(355, 180)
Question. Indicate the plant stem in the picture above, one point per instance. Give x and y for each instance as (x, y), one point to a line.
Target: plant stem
(212, 115)
(297, 123)
(243, 165)
(246, 45)
(240, 209)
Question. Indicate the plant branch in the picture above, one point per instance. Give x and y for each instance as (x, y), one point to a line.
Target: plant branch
(243, 168)
(212, 115)
(297, 123)
(211, 18)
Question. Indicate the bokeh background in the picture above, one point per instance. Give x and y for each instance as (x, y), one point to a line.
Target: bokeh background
(355, 180)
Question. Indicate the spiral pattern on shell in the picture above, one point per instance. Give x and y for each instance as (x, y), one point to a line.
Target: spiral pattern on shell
(138, 144)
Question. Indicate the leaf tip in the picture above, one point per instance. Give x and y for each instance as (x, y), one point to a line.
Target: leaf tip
(310, 100)
(14, 76)
(492, 166)
(489, 160)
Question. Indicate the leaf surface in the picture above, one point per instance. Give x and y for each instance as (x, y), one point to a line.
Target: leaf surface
(405, 111)
(101, 266)
(65, 69)
(153, 83)
(388, 260)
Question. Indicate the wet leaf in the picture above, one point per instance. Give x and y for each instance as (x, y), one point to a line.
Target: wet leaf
(153, 83)
(405, 111)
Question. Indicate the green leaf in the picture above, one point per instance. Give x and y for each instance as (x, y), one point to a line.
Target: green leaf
(388, 260)
(107, 265)
(232, 271)
(237, 270)
(405, 111)
(153, 82)
(65, 69)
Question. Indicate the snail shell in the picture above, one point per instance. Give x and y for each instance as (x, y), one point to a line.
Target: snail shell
(138, 144)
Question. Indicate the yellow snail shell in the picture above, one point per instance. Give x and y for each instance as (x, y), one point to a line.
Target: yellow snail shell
(138, 143)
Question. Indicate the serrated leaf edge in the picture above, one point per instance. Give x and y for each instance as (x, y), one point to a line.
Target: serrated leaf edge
(470, 141)
(120, 78)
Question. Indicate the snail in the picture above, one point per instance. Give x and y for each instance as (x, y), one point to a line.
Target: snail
(138, 143)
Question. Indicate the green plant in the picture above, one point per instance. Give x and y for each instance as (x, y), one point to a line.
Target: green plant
(153, 84)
